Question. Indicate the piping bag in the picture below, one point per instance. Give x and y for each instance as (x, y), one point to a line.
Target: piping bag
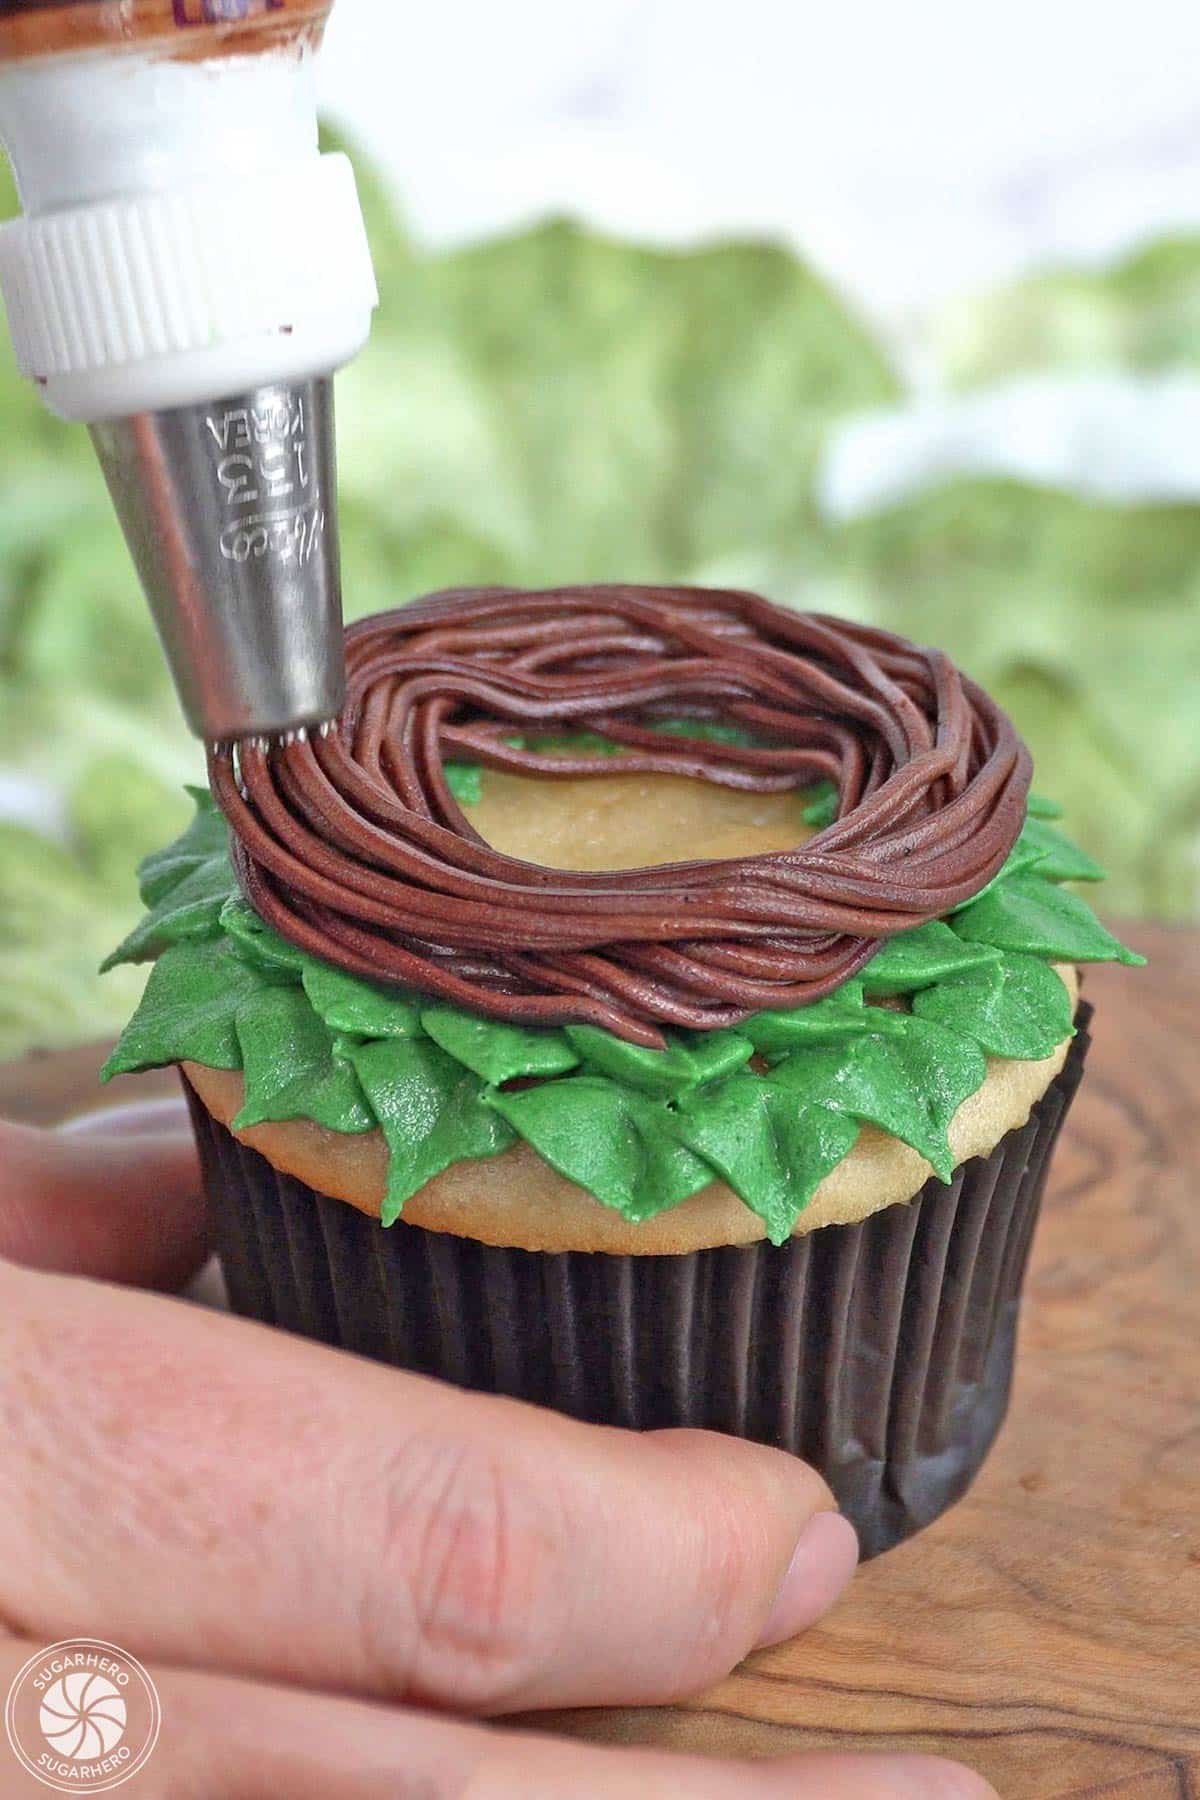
(187, 273)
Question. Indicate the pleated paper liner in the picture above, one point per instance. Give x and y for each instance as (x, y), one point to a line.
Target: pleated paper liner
(881, 1352)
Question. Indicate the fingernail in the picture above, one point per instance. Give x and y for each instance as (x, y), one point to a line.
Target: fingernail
(825, 1557)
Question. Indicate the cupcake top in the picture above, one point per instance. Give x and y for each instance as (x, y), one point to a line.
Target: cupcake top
(363, 948)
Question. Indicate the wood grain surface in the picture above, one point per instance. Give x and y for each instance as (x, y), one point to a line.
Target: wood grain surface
(1047, 1630)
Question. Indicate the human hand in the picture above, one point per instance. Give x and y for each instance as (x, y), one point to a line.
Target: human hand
(322, 1559)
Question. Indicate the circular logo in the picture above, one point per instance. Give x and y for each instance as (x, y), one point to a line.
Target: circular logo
(82, 1714)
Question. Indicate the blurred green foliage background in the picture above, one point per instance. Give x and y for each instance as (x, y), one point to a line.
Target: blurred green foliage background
(552, 407)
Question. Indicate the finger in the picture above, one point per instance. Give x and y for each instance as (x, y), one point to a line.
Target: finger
(315, 1748)
(258, 1502)
(238, 1740)
(116, 1196)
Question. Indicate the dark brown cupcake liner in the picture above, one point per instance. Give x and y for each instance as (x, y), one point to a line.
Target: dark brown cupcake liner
(881, 1352)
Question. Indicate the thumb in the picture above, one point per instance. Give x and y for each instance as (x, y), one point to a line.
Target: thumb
(115, 1195)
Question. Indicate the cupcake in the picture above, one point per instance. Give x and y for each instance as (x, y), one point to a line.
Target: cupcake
(651, 1003)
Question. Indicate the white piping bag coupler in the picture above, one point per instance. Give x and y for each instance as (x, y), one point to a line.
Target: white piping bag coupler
(187, 273)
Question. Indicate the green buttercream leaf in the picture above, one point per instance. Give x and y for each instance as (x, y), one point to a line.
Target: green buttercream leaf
(911, 1085)
(1018, 1007)
(465, 781)
(916, 959)
(685, 1063)
(711, 731)
(188, 910)
(206, 837)
(1033, 917)
(494, 1050)
(842, 1014)
(821, 807)
(1021, 859)
(1041, 849)
(359, 1008)
(290, 1069)
(430, 1110)
(184, 886)
(620, 1145)
(566, 743)
(188, 1010)
(1058, 859)
(773, 1149)
(256, 940)
(1026, 854)
(581, 743)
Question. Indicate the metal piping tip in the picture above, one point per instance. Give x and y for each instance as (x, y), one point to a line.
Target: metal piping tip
(230, 514)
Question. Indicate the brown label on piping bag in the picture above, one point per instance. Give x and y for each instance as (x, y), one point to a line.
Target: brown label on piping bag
(207, 27)
(222, 12)
(25, 6)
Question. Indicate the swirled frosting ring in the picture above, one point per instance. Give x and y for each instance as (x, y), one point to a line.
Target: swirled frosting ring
(351, 845)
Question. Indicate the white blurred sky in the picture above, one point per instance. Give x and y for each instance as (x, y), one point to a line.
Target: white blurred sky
(912, 151)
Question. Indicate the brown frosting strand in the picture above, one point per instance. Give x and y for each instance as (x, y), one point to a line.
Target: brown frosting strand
(350, 844)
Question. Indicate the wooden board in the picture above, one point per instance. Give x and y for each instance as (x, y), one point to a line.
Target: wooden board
(1047, 1630)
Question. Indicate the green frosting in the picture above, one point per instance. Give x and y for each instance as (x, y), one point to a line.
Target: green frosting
(770, 1147)
(292, 1067)
(495, 1051)
(1057, 858)
(184, 886)
(1028, 914)
(1016, 1006)
(431, 1110)
(822, 807)
(910, 1084)
(621, 1145)
(690, 1060)
(770, 1106)
(916, 959)
(359, 1009)
(465, 781)
(191, 1002)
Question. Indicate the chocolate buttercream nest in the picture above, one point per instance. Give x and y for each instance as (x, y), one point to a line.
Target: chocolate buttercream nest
(350, 843)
